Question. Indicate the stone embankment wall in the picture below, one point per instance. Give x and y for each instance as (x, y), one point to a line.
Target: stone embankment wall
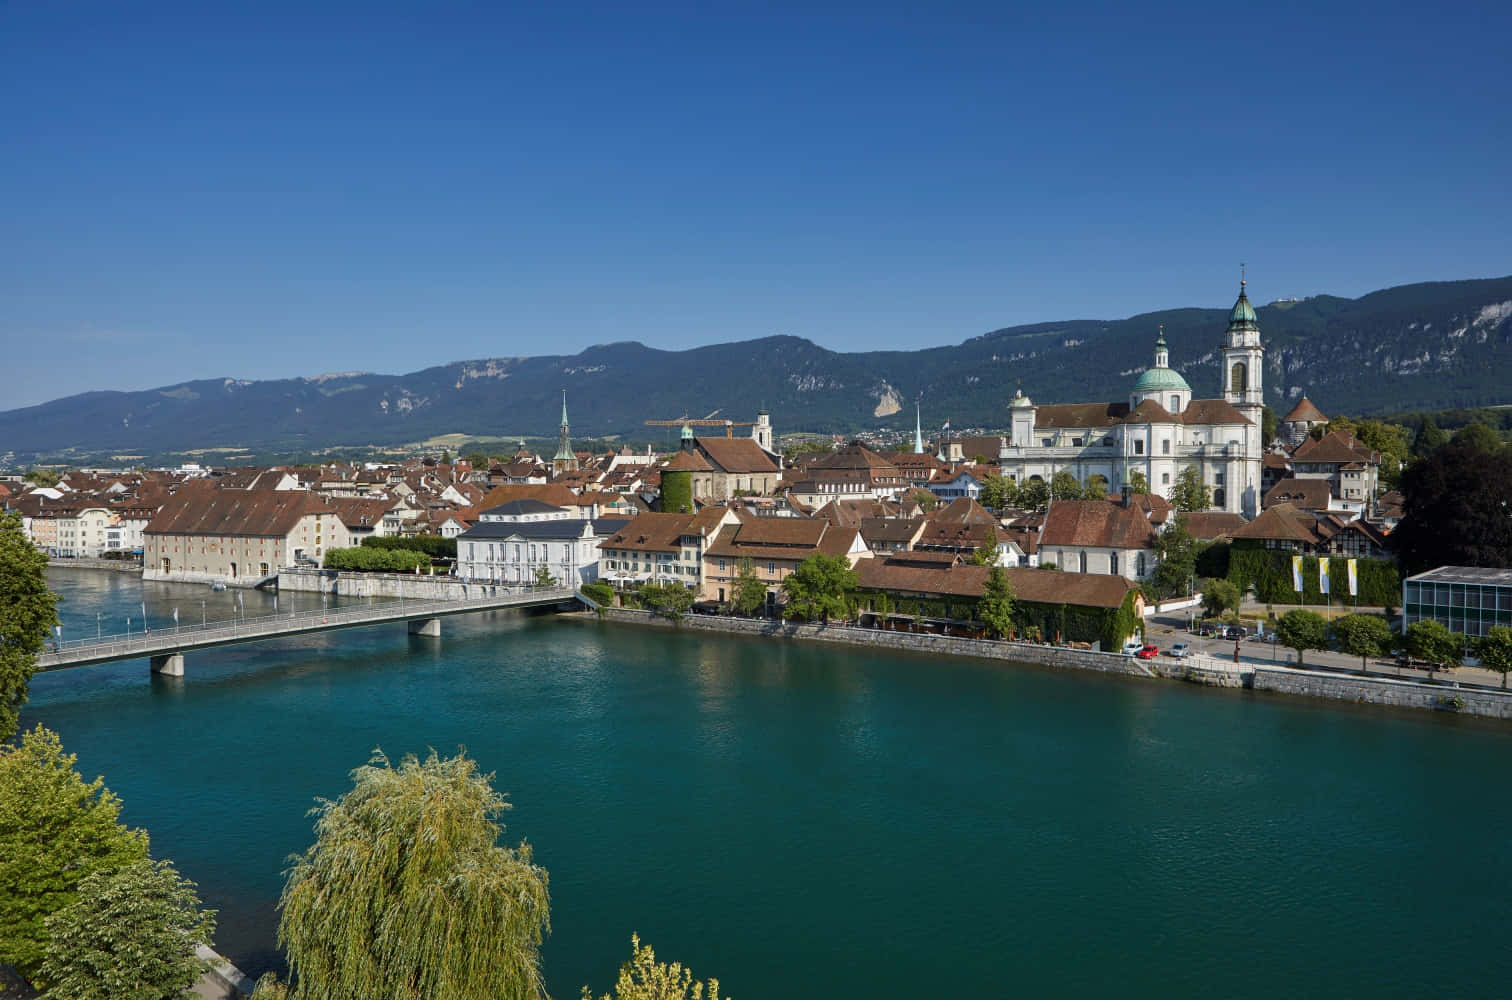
(178, 576)
(115, 565)
(1199, 670)
(407, 585)
(1049, 656)
(1384, 691)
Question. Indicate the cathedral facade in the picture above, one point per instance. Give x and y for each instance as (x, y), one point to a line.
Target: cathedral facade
(1160, 431)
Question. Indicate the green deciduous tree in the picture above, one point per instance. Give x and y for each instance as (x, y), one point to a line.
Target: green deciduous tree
(1063, 486)
(999, 492)
(1495, 649)
(1096, 487)
(406, 893)
(1176, 550)
(670, 600)
(996, 607)
(1219, 596)
(644, 978)
(1302, 630)
(987, 553)
(1190, 493)
(820, 586)
(1455, 509)
(1430, 437)
(1433, 643)
(1362, 635)
(131, 935)
(1268, 425)
(1034, 495)
(28, 611)
(748, 592)
(1138, 483)
(55, 831)
(371, 559)
(543, 577)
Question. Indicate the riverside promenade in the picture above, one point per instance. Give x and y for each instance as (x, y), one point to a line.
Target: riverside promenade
(166, 647)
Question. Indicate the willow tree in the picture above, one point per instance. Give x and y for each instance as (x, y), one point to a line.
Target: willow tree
(644, 978)
(406, 893)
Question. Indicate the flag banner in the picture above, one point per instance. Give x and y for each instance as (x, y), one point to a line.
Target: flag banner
(1297, 573)
(946, 426)
(175, 616)
(1354, 579)
(1323, 576)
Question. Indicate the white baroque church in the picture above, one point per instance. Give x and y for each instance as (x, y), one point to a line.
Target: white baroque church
(1160, 431)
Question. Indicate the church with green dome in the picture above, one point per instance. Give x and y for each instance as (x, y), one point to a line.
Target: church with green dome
(1160, 430)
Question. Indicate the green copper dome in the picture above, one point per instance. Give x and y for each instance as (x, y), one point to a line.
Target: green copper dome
(1161, 380)
(1244, 313)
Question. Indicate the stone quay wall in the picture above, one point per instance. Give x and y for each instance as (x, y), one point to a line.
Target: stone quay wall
(1385, 691)
(1485, 702)
(397, 585)
(114, 565)
(1049, 656)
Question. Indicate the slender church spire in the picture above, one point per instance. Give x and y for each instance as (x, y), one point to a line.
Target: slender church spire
(565, 460)
(918, 431)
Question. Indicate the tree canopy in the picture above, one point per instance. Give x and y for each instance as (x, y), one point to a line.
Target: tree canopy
(820, 586)
(55, 831)
(996, 607)
(28, 611)
(1455, 509)
(131, 935)
(1434, 644)
(1219, 596)
(406, 893)
(748, 592)
(1177, 551)
(999, 492)
(1189, 492)
(1302, 630)
(644, 978)
(1362, 635)
(1034, 495)
(1138, 482)
(1063, 486)
(1495, 649)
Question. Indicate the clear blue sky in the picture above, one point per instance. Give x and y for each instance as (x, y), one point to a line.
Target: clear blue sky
(265, 190)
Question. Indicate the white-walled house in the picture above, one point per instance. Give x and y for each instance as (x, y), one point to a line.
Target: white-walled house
(512, 542)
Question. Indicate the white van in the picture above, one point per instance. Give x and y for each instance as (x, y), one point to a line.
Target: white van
(1132, 646)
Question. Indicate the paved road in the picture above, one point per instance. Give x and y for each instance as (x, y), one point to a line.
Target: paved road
(1163, 630)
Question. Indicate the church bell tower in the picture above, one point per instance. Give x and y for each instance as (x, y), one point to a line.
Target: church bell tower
(1243, 389)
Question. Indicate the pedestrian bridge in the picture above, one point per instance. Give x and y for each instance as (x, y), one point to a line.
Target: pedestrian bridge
(166, 648)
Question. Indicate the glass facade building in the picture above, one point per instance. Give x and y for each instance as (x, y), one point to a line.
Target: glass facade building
(1465, 599)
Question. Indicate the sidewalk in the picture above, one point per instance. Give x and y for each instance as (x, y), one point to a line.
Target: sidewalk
(1165, 630)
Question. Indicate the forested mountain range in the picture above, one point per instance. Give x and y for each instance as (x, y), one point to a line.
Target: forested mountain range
(1424, 346)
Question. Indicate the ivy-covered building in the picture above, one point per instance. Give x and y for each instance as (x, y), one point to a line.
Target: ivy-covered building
(942, 588)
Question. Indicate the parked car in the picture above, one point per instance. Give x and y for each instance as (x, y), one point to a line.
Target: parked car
(1234, 632)
(1207, 630)
(1132, 646)
(1148, 652)
(1180, 650)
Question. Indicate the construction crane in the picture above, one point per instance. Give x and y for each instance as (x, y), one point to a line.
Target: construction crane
(685, 420)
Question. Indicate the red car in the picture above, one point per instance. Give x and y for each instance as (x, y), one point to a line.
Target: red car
(1148, 652)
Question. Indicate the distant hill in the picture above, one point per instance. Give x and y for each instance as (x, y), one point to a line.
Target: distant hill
(1427, 346)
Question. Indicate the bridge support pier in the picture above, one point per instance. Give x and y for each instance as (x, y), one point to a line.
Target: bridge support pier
(426, 626)
(168, 664)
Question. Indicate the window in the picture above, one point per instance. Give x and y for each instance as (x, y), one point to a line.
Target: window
(1139, 564)
(1082, 561)
(1165, 479)
(1113, 563)
(1076, 442)
(1138, 447)
(1165, 446)
(1175, 404)
(772, 568)
(721, 565)
(1218, 478)
(1047, 442)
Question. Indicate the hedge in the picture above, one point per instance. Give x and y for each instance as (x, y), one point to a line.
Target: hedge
(376, 560)
(1268, 572)
(432, 545)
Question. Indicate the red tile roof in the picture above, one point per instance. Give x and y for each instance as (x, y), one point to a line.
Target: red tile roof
(1101, 524)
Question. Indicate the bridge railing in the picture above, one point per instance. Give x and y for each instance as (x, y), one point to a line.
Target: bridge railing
(393, 610)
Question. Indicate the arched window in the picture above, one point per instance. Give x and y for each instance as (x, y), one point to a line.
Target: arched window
(1175, 404)
(1238, 378)
(1218, 497)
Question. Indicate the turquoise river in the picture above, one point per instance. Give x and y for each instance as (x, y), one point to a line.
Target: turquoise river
(811, 822)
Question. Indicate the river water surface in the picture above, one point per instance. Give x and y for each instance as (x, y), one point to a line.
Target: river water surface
(808, 822)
